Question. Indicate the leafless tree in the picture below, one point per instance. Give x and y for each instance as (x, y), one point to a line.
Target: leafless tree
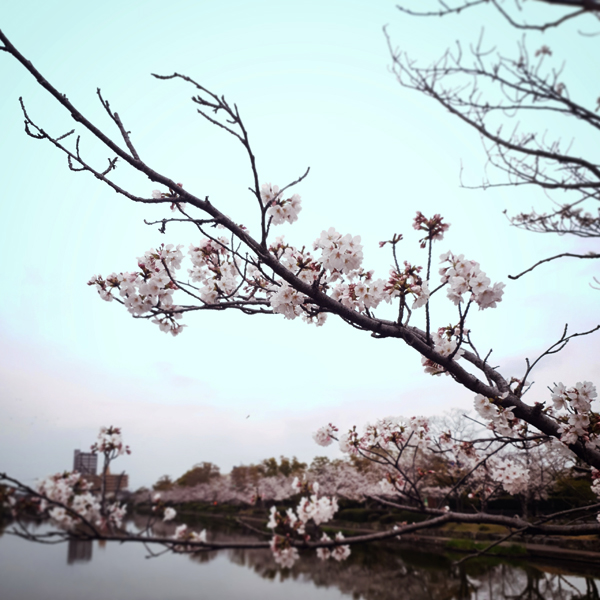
(504, 94)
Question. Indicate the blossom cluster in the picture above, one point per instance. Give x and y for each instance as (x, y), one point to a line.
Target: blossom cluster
(464, 277)
(390, 435)
(213, 266)
(339, 553)
(579, 421)
(182, 533)
(158, 506)
(71, 491)
(338, 268)
(435, 227)
(324, 436)
(225, 275)
(499, 419)
(320, 510)
(300, 262)
(316, 509)
(110, 441)
(280, 210)
(407, 281)
(363, 295)
(393, 443)
(340, 254)
(283, 552)
(68, 499)
(513, 477)
(149, 288)
(287, 301)
(445, 342)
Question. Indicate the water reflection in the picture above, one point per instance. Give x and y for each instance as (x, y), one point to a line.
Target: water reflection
(392, 573)
(79, 551)
(376, 572)
(388, 571)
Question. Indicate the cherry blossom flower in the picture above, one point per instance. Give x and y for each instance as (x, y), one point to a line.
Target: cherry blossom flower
(282, 211)
(446, 341)
(339, 253)
(269, 193)
(284, 554)
(340, 553)
(287, 301)
(500, 419)
(180, 532)
(198, 536)
(576, 402)
(325, 435)
(320, 510)
(435, 227)
(324, 553)
(169, 514)
(110, 441)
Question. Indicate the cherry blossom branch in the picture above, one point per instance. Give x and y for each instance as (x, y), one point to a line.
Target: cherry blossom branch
(163, 222)
(315, 299)
(40, 538)
(216, 104)
(474, 468)
(40, 134)
(19, 486)
(489, 519)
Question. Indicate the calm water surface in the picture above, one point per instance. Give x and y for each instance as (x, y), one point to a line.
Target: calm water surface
(92, 571)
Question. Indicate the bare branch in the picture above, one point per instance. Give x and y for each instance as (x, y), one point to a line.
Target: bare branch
(581, 7)
(545, 260)
(115, 117)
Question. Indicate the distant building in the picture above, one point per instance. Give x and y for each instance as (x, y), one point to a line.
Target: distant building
(85, 462)
(114, 483)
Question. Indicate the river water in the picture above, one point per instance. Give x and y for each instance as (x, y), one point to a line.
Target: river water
(94, 571)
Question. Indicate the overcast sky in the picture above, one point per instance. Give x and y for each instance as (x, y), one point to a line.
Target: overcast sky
(312, 83)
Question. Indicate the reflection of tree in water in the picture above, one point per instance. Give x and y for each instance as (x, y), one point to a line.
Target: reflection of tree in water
(591, 591)
(388, 572)
(371, 573)
(528, 583)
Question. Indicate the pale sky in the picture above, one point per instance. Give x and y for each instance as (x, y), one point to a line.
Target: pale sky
(312, 83)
